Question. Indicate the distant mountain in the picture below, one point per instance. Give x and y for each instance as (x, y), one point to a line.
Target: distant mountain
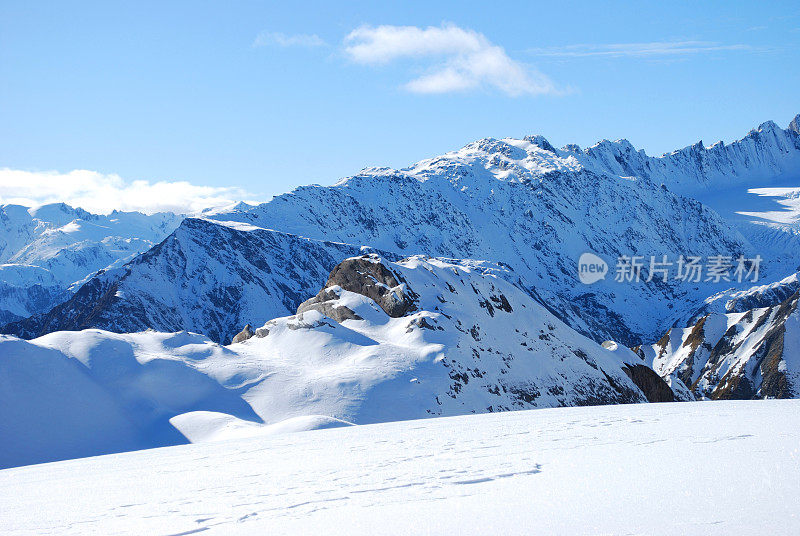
(381, 341)
(206, 277)
(767, 152)
(472, 204)
(47, 252)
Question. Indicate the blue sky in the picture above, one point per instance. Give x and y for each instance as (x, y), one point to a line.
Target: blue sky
(265, 97)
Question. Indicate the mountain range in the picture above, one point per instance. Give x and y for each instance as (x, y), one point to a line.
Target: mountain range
(447, 287)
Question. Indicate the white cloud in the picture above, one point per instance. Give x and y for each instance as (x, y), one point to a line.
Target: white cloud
(637, 50)
(458, 59)
(101, 193)
(282, 40)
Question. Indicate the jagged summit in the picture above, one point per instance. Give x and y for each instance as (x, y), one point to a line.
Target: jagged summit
(794, 126)
(765, 151)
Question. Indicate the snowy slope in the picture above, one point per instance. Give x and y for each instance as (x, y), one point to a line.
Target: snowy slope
(752, 354)
(382, 341)
(662, 469)
(48, 249)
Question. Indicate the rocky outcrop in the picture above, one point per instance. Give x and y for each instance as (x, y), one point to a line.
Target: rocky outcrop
(368, 276)
(735, 356)
(651, 384)
(243, 335)
(327, 303)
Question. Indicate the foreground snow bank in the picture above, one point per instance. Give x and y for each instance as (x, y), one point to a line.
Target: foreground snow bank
(688, 468)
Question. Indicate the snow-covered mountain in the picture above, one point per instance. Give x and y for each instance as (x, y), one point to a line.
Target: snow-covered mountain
(47, 252)
(537, 227)
(448, 287)
(206, 277)
(381, 341)
(521, 203)
(750, 354)
(766, 153)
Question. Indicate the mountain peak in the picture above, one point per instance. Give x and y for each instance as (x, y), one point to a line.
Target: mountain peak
(794, 126)
(768, 126)
(541, 142)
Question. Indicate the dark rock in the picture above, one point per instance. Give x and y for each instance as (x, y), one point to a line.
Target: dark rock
(326, 303)
(369, 277)
(243, 335)
(653, 386)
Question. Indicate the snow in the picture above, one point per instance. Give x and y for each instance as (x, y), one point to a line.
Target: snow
(204, 426)
(698, 468)
(465, 354)
(282, 422)
(788, 198)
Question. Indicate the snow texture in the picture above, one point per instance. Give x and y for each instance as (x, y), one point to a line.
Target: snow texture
(661, 469)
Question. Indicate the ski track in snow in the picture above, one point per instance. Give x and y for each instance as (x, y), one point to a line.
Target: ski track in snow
(683, 468)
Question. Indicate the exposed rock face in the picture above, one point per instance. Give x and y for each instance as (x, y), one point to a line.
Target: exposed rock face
(369, 277)
(326, 302)
(243, 335)
(794, 126)
(651, 384)
(735, 356)
(654, 387)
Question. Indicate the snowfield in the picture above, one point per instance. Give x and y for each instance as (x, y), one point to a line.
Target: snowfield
(705, 468)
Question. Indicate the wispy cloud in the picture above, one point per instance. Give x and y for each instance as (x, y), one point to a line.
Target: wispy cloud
(456, 59)
(283, 40)
(638, 50)
(102, 193)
